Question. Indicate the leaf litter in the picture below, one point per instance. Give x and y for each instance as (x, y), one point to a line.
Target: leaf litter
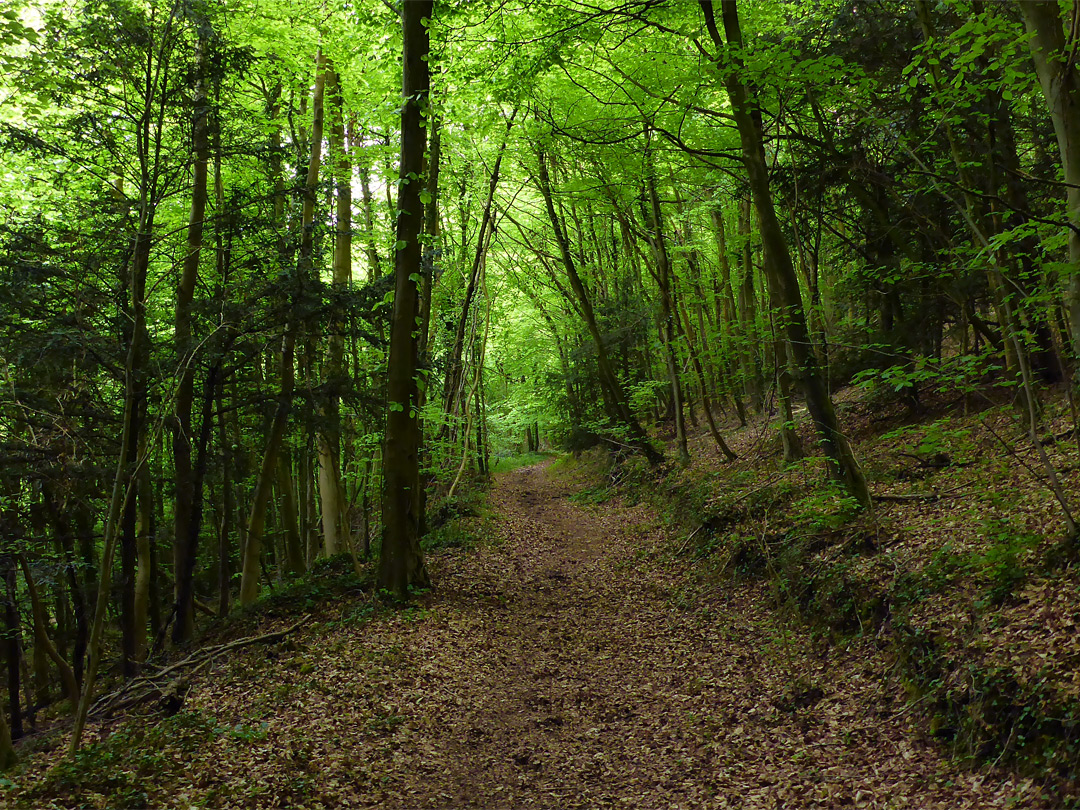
(568, 662)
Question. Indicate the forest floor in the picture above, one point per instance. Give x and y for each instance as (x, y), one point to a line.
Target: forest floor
(570, 659)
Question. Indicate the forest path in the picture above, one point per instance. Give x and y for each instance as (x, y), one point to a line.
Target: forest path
(571, 665)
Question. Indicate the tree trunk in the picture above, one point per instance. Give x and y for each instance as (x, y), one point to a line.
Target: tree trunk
(184, 526)
(42, 640)
(783, 281)
(706, 405)
(189, 546)
(224, 571)
(7, 750)
(658, 243)
(144, 492)
(749, 358)
(251, 567)
(431, 254)
(725, 310)
(1060, 82)
(335, 531)
(66, 540)
(454, 368)
(371, 248)
(401, 563)
(290, 520)
(609, 382)
(12, 647)
(123, 479)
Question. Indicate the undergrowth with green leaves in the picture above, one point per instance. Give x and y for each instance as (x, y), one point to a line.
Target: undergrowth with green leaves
(124, 769)
(821, 556)
(502, 464)
(458, 522)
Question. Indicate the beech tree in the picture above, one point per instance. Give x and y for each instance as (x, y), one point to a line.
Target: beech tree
(645, 227)
(401, 562)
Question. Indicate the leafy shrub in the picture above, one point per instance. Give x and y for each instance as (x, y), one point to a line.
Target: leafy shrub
(933, 439)
(456, 522)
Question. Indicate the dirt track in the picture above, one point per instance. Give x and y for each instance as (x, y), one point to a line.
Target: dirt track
(567, 665)
(560, 672)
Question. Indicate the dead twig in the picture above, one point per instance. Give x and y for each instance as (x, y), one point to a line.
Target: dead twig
(167, 686)
(920, 496)
(686, 542)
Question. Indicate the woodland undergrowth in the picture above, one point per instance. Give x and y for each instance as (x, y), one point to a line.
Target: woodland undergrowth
(960, 574)
(954, 595)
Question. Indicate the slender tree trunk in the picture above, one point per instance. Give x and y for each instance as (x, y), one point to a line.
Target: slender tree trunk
(454, 368)
(371, 247)
(658, 242)
(725, 310)
(789, 437)
(7, 750)
(328, 438)
(66, 540)
(251, 567)
(706, 405)
(290, 520)
(431, 254)
(185, 572)
(42, 640)
(224, 570)
(184, 505)
(401, 562)
(783, 280)
(609, 382)
(1059, 78)
(135, 385)
(144, 491)
(12, 647)
(748, 351)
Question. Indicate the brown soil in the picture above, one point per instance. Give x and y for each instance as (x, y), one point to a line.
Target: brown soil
(570, 664)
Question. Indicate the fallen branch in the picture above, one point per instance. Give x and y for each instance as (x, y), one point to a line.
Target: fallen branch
(167, 686)
(929, 497)
(686, 543)
(925, 496)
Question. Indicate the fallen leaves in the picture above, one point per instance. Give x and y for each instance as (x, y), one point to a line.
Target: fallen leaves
(558, 666)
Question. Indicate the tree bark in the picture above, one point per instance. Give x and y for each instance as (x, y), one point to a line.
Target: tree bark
(783, 280)
(184, 526)
(401, 562)
(1060, 82)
